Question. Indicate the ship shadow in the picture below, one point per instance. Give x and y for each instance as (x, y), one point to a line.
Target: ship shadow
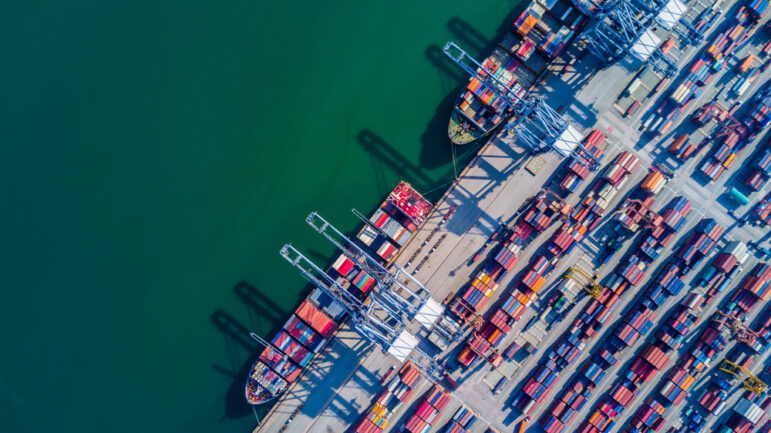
(242, 350)
(385, 155)
(436, 148)
(237, 341)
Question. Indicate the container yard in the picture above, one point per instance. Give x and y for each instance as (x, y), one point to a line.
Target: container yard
(611, 276)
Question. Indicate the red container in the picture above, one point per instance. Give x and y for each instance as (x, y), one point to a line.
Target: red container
(316, 319)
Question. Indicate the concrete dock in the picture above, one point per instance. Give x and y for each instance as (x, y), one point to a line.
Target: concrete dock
(343, 381)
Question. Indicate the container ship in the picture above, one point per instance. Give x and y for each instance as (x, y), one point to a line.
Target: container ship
(519, 61)
(314, 322)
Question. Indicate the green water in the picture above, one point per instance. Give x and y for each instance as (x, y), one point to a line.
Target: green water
(156, 154)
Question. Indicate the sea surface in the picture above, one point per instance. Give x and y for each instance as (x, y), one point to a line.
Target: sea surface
(157, 155)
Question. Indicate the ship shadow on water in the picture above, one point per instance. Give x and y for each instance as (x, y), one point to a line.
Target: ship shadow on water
(436, 150)
(474, 41)
(238, 341)
(385, 155)
(242, 350)
(470, 38)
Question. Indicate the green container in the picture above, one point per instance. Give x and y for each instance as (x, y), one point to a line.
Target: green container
(560, 302)
(739, 197)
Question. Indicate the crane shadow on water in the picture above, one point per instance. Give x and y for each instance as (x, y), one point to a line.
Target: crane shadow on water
(237, 341)
(267, 310)
(385, 156)
(241, 349)
(474, 41)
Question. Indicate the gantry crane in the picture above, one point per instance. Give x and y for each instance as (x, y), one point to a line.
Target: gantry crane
(740, 331)
(537, 125)
(389, 284)
(589, 284)
(619, 25)
(372, 319)
(392, 289)
(378, 324)
(727, 123)
(749, 381)
(650, 219)
(693, 34)
(392, 286)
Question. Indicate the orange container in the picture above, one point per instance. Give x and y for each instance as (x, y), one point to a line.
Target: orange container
(538, 283)
(746, 63)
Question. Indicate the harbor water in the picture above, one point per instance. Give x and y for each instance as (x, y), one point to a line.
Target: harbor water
(155, 158)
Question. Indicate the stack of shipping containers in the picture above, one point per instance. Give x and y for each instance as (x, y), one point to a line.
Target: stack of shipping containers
(398, 391)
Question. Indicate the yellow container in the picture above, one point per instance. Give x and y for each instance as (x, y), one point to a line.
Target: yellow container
(687, 383)
(729, 159)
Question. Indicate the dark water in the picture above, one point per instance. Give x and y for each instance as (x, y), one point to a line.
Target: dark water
(156, 155)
